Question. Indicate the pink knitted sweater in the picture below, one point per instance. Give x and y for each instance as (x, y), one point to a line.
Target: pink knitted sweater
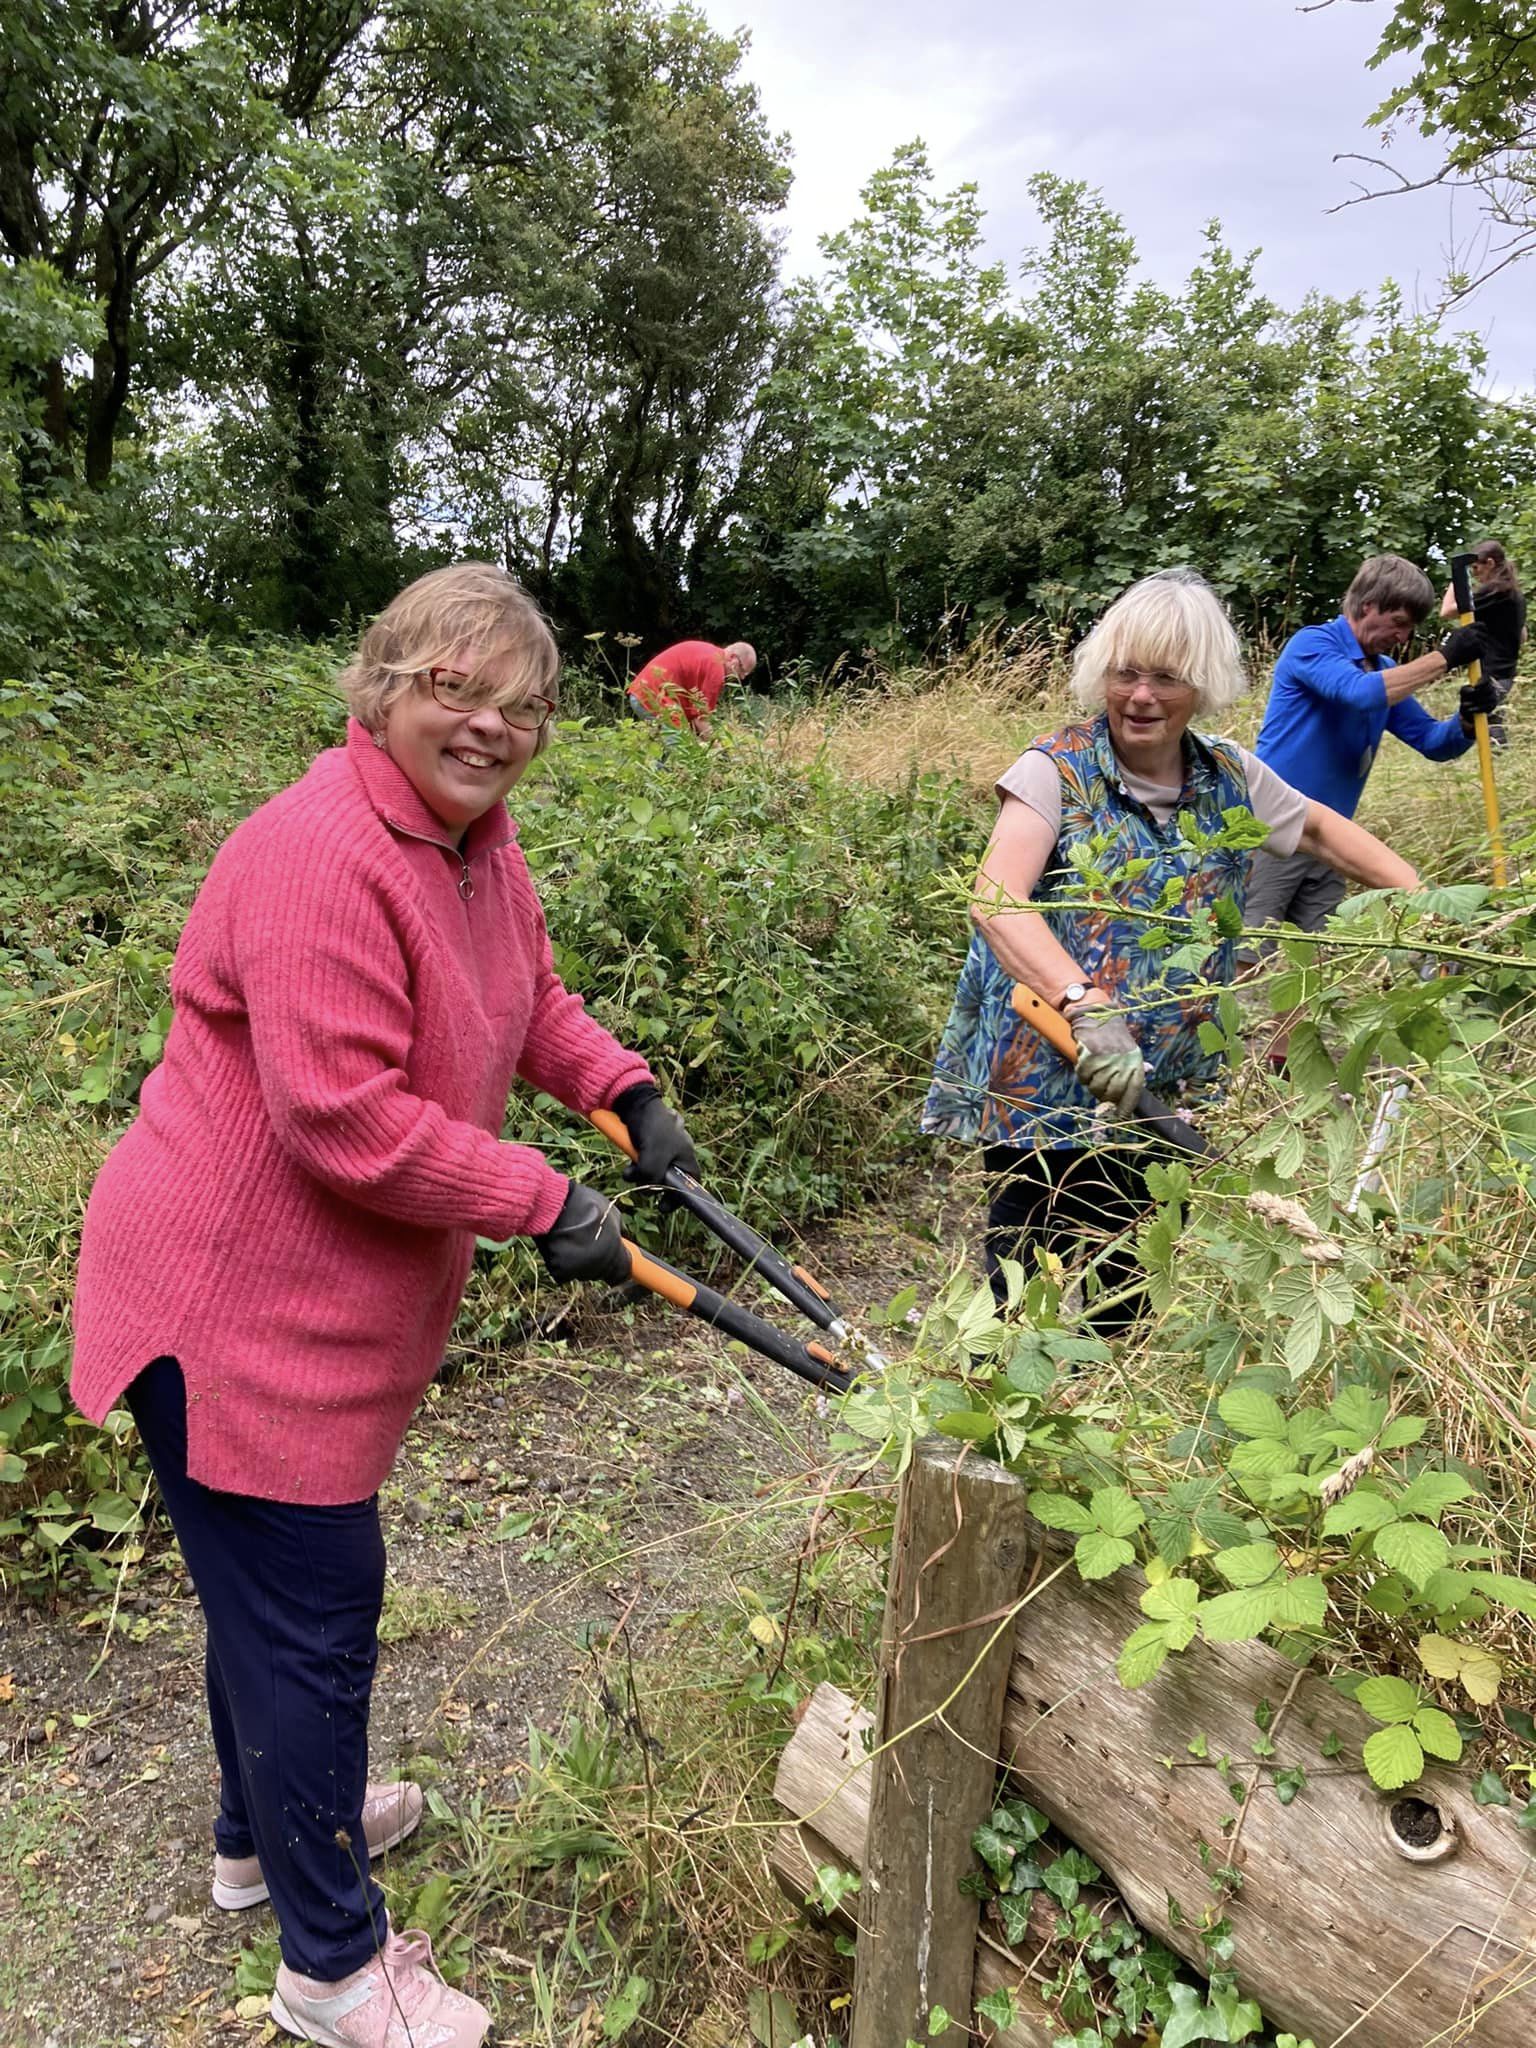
(293, 1213)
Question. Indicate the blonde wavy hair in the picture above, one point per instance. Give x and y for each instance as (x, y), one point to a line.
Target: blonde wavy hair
(472, 611)
(1171, 621)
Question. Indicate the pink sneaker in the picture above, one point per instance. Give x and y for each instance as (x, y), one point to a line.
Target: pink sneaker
(397, 2000)
(390, 1812)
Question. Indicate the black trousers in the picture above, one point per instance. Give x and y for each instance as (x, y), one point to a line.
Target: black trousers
(1071, 1203)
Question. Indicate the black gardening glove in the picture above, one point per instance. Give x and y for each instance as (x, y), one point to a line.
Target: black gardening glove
(1109, 1061)
(1463, 645)
(584, 1242)
(658, 1134)
(1482, 695)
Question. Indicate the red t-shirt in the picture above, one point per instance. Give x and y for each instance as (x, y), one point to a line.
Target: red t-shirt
(686, 679)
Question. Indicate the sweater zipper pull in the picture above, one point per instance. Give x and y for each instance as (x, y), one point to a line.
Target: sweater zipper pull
(466, 881)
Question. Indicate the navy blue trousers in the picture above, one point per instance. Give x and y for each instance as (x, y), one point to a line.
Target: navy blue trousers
(292, 1597)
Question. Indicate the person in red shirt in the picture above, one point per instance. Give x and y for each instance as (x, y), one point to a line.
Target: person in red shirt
(684, 682)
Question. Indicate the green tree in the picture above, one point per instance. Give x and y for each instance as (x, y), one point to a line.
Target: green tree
(126, 132)
(1473, 91)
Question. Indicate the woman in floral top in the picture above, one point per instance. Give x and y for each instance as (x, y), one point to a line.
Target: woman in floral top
(1136, 795)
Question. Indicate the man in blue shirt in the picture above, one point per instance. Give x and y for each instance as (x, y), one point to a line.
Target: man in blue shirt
(1335, 692)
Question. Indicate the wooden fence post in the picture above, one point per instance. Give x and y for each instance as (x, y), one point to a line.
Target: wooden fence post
(958, 1557)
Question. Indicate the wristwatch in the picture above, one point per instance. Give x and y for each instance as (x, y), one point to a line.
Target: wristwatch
(1072, 993)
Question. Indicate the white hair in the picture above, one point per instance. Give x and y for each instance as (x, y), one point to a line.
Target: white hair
(1172, 621)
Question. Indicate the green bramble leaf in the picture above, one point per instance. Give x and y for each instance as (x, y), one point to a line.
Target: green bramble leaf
(1171, 1600)
(1115, 1511)
(1234, 1617)
(1098, 1555)
(1389, 1699)
(1144, 1653)
(1431, 1493)
(1251, 1413)
(1438, 1734)
(1393, 1757)
(1362, 1509)
(1416, 1549)
(1248, 1565)
(1509, 1592)
(1061, 1511)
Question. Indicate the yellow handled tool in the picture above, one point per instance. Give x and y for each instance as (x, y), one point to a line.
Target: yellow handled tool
(1461, 583)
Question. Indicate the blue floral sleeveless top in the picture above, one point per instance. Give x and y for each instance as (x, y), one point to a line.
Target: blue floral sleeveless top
(995, 1079)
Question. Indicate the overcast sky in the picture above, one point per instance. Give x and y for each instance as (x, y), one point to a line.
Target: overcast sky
(1176, 109)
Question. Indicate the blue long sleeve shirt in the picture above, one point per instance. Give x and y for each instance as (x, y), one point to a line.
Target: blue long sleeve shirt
(1326, 714)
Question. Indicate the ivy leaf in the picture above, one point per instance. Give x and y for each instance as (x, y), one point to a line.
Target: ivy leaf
(1490, 1790)
(1393, 1757)
(1388, 1699)
(1014, 1913)
(1189, 2020)
(998, 2007)
(1416, 1549)
(994, 1849)
(1098, 1554)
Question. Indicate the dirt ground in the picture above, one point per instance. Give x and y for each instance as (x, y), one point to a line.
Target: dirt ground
(567, 1484)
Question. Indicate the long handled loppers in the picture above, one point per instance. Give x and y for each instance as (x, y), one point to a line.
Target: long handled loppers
(1151, 1111)
(809, 1360)
(1461, 582)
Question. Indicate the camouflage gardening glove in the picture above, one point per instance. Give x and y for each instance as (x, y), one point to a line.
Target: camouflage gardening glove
(1109, 1060)
(1463, 645)
(659, 1136)
(584, 1241)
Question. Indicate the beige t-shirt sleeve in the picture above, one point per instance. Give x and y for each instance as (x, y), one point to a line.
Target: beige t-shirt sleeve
(1034, 781)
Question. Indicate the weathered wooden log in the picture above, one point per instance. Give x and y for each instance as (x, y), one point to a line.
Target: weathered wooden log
(1383, 1921)
(1390, 1920)
(825, 1771)
(958, 1555)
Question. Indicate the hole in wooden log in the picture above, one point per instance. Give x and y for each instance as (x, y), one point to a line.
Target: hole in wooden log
(1419, 1831)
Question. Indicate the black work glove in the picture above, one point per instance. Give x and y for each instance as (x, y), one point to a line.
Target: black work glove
(1463, 645)
(584, 1242)
(1109, 1061)
(1483, 695)
(658, 1134)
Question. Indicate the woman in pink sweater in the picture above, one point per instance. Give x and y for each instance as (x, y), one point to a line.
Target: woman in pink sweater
(274, 1252)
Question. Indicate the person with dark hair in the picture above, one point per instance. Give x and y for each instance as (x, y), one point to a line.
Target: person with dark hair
(275, 1249)
(1498, 609)
(1336, 690)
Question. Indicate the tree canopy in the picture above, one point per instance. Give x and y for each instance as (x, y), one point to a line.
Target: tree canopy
(296, 301)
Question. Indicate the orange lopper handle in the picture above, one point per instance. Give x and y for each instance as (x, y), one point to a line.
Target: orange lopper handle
(1047, 1020)
(613, 1129)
